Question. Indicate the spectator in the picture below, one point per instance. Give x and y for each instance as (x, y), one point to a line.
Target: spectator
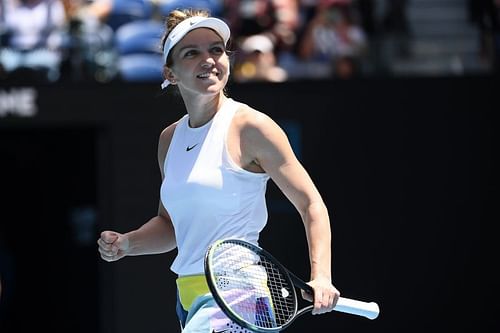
(90, 49)
(88, 10)
(257, 61)
(32, 38)
(270, 26)
(333, 43)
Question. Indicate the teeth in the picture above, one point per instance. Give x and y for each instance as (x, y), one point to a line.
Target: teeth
(205, 75)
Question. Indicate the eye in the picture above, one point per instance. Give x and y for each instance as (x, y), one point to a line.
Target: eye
(218, 50)
(190, 53)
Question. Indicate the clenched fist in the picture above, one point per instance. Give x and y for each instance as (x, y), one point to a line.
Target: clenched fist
(113, 245)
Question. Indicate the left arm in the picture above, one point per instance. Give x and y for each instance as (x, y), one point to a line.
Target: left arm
(266, 145)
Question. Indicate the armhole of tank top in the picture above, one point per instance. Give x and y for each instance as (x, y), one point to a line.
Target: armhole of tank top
(232, 164)
(172, 144)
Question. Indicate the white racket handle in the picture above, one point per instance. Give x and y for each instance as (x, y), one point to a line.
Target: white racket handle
(369, 310)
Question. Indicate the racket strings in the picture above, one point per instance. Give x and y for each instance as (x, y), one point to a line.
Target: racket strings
(282, 293)
(253, 287)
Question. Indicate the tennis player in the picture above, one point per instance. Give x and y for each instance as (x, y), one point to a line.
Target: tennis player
(215, 163)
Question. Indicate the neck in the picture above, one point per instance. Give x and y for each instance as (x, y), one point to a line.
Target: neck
(202, 109)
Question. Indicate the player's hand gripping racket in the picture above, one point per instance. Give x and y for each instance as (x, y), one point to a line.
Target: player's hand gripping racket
(257, 292)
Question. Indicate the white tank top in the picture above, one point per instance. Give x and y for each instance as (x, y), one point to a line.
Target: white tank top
(206, 194)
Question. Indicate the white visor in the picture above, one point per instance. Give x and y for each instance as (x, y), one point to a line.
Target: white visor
(189, 24)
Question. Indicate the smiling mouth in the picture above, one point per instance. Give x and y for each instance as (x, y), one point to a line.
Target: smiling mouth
(207, 75)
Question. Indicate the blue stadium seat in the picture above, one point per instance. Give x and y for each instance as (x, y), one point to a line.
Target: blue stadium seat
(142, 36)
(141, 67)
(125, 11)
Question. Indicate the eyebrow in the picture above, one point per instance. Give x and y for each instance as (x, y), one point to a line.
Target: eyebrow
(195, 46)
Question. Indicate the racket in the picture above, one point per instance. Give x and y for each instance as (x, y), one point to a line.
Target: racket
(257, 292)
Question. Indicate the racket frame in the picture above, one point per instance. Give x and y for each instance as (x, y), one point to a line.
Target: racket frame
(368, 310)
(288, 276)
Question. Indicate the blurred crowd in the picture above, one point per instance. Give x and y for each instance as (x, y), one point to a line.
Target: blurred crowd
(273, 40)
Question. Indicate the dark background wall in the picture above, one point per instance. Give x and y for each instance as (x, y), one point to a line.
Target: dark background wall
(405, 166)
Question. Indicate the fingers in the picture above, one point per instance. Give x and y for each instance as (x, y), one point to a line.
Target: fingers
(325, 298)
(109, 246)
(324, 302)
(107, 251)
(109, 237)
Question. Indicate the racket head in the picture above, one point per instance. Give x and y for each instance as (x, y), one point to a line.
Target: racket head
(252, 287)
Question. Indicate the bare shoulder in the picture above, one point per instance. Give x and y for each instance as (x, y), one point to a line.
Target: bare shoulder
(260, 138)
(168, 132)
(164, 141)
(247, 118)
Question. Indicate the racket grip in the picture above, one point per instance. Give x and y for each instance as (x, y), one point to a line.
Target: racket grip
(369, 310)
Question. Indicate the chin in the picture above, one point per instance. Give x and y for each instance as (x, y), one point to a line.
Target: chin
(213, 88)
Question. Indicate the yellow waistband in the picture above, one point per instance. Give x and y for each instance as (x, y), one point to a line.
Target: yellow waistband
(190, 287)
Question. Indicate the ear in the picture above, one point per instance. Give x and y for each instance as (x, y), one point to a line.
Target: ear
(169, 75)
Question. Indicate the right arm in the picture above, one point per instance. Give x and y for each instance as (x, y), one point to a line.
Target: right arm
(155, 236)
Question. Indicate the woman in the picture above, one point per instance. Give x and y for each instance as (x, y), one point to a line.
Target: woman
(215, 163)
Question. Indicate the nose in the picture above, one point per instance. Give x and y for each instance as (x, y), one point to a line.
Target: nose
(208, 61)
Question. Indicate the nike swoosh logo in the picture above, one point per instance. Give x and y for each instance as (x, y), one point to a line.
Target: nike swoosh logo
(189, 148)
